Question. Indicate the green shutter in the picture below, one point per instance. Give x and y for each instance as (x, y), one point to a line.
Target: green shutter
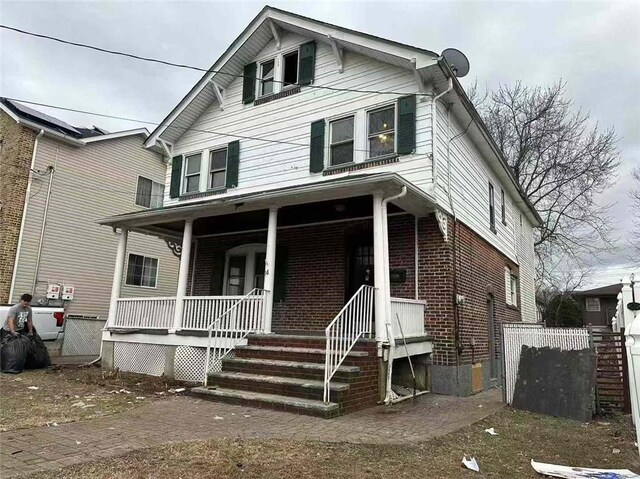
(233, 162)
(316, 150)
(280, 278)
(176, 176)
(406, 125)
(217, 273)
(249, 83)
(307, 63)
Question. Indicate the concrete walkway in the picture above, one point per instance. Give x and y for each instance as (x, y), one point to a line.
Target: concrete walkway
(186, 418)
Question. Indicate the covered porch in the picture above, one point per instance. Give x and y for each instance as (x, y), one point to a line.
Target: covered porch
(335, 260)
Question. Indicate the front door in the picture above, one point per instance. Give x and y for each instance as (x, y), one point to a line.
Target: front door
(360, 269)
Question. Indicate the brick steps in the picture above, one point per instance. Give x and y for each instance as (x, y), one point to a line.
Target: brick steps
(286, 372)
(291, 369)
(270, 401)
(290, 387)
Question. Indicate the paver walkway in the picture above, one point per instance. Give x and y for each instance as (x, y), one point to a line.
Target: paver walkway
(186, 418)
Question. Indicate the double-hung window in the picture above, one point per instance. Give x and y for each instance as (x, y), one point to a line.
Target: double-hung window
(142, 271)
(217, 168)
(382, 131)
(267, 76)
(492, 209)
(149, 193)
(513, 290)
(192, 173)
(341, 141)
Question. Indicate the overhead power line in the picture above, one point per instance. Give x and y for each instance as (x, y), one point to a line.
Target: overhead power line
(213, 132)
(191, 67)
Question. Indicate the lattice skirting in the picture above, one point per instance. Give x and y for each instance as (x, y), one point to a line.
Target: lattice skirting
(188, 361)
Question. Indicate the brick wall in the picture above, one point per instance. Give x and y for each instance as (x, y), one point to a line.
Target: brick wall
(317, 265)
(16, 149)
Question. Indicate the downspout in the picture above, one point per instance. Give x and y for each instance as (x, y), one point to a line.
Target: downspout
(52, 170)
(387, 300)
(24, 213)
(434, 126)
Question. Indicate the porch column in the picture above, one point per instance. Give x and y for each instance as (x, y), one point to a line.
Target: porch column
(118, 271)
(378, 267)
(183, 274)
(270, 268)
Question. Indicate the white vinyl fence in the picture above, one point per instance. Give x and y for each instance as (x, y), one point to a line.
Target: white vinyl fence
(516, 335)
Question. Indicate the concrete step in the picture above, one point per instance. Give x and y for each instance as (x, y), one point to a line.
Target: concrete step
(292, 369)
(290, 387)
(269, 401)
(312, 355)
(314, 341)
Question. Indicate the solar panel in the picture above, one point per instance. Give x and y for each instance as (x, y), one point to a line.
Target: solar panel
(43, 117)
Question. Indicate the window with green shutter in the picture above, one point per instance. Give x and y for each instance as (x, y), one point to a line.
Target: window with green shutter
(406, 125)
(316, 149)
(233, 164)
(307, 63)
(176, 176)
(249, 83)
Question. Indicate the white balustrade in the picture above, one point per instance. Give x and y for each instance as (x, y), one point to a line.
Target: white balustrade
(411, 315)
(144, 313)
(201, 311)
(352, 322)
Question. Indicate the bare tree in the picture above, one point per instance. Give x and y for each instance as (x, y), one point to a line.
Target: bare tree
(562, 161)
(635, 203)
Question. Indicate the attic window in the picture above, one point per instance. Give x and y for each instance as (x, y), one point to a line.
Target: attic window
(267, 73)
(290, 76)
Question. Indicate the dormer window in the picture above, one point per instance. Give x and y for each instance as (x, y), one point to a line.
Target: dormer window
(267, 75)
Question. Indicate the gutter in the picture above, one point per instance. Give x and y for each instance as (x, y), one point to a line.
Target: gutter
(24, 213)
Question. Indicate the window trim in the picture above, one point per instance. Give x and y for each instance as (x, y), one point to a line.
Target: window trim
(513, 292)
(586, 304)
(261, 78)
(492, 208)
(185, 161)
(278, 72)
(395, 130)
(126, 272)
(135, 199)
(352, 141)
(503, 207)
(210, 187)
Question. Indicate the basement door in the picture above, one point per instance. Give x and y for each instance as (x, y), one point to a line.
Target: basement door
(360, 268)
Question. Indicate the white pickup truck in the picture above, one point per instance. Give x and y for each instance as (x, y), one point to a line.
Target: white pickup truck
(48, 321)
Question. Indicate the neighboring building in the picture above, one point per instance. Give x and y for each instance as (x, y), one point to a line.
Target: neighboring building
(291, 173)
(598, 305)
(55, 181)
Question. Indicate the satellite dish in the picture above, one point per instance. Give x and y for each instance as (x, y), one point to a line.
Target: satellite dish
(457, 61)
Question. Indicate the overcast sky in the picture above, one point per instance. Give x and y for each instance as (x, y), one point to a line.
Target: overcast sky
(594, 46)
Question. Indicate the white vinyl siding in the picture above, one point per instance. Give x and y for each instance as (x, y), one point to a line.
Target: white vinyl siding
(77, 250)
(266, 165)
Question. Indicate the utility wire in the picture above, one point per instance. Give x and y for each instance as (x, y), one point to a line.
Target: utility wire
(191, 67)
(233, 135)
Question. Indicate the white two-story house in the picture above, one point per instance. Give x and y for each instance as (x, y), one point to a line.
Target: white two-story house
(333, 196)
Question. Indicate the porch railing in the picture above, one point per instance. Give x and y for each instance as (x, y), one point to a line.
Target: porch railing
(228, 329)
(201, 311)
(352, 322)
(145, 313)
(411, 314)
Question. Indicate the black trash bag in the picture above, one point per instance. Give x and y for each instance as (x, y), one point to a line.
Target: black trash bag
(38, 356)
(14, 352)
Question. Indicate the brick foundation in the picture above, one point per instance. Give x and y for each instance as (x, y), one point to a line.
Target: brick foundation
(16, 150)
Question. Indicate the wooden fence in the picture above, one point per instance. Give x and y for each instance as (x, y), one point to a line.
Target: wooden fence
(612, 377)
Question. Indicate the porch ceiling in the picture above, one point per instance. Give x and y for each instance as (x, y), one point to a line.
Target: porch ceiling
(329, 200)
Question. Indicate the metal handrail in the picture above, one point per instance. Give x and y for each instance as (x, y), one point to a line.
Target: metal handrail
(350, 324)
(243, 333)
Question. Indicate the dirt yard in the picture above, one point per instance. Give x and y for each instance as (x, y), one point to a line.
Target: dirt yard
(521, 437)
(64, 394)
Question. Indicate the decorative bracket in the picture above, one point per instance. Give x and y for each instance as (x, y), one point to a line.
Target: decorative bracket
(276, 33)
(337, 53)
(422, 88)
(176, 248)
(219, 94)
(168, 148)
(442, 220)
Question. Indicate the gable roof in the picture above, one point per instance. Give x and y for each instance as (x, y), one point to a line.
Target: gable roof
(611, 290)
(255, 37)
(37, 120)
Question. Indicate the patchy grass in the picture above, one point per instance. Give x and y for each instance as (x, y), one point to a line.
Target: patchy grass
(71, 394)
(521, 437)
